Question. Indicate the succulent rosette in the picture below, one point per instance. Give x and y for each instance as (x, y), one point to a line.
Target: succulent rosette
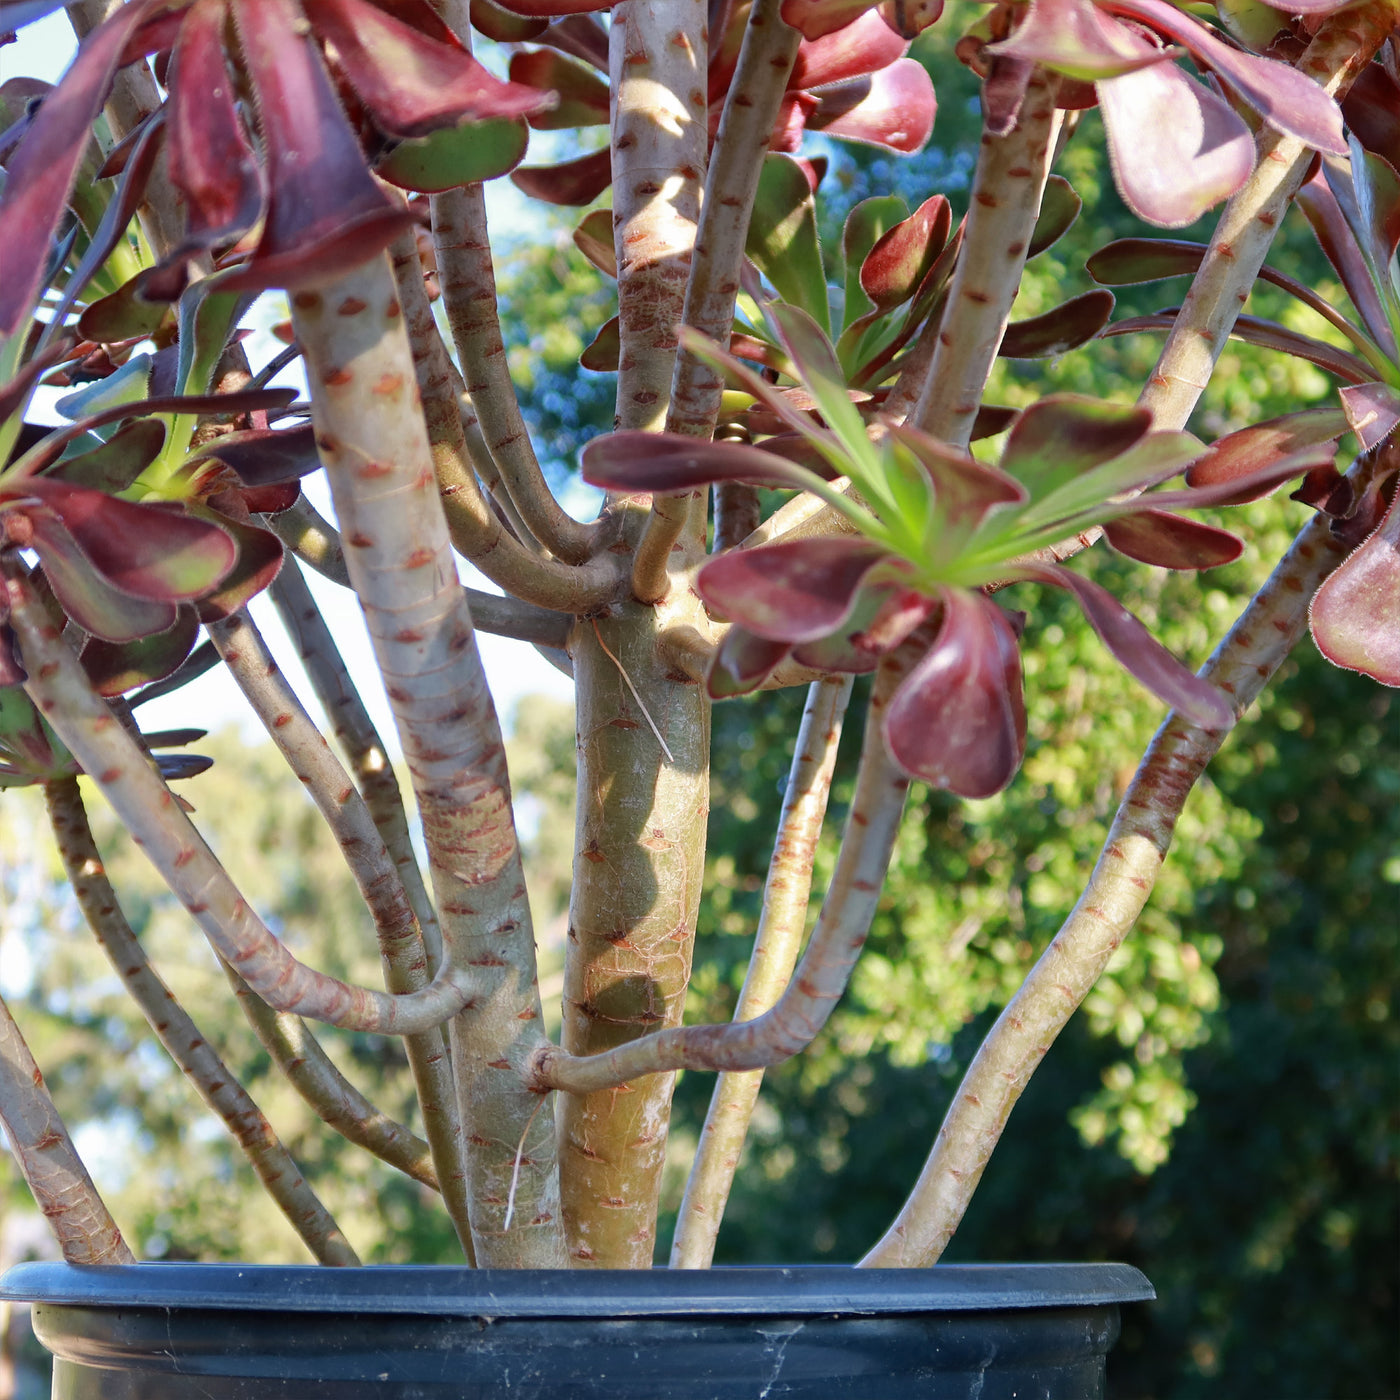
(930, 530)
(276, 109)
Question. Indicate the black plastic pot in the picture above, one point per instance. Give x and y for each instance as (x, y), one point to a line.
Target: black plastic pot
(245, 1332)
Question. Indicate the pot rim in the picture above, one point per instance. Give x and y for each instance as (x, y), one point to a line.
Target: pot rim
(452, 1290)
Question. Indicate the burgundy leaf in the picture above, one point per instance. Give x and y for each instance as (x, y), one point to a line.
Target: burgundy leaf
(864, 46)
(267, 456)
(845, 649)
(1059, 208)
(1233, 491)
(126, 314)
(1268, 335)
(958, 720)
(815, 18)
(1078, 39)
(573, 182)
(1355, 616)
(258, 564)
(1329, 226)
(1176, 148)
(1065, 435)
(411, 84)
(1368, 190)
(1250, 450)
(325, 213)
(1288, 100)
(1065, 328)
(580, 36)
(892, 108)
(602, 353)
(212, 163)
(1003, 91)
(594, 239)
(1372, 410)
(1372, 111)
(1172, 541)
(116, 667)
(900, 260)
(84, 594)
(793, 591)
(1136, 650)
(498, 23)
(583, 95)
(155, 552)
(642, 461)
(742, 662)
(40, 173)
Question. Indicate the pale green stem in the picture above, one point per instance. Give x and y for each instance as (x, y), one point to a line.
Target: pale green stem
(44, 1152)
(786, 895)
(212, 1079)
(378, 459)
(1137, 844)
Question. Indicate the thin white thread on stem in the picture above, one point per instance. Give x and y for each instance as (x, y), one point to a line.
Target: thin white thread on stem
(646, 714)
(519, 1157)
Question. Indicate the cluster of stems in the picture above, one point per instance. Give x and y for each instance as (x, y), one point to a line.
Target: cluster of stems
(544, 1154)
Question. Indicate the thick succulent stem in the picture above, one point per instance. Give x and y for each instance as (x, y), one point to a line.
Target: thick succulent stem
(799, 1014)
(378, 876)
(60, 689)
(1341, 48)
(468, 284)
(1122, 881)
(745, 128)
(786, 895)
(311, 538)
(211, 1077)
(48, 1161)
(1005, 201)
(375, 448)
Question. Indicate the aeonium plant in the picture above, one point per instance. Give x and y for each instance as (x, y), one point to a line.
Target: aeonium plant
(929, 531)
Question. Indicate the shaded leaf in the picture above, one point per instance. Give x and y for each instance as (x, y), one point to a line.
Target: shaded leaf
(582, 94)
(594, 239)
(815, 18)
(865, 225)
(119, 461)
(863, 46)
(456, 155)
(1066, 327)
(1063, 436)
(1078, 39)
(958, 720)
(116, 667)
(267, 456)
(573, 182)
(742, 662)
(1248, 451)
(893, 108)
(602, 353)
(1355, 615)
(1059, 208)
(642, 461)
(842, 649)
(505, 27)
(793, 591)
(258, 564)
(782, 238)
(1172, 541)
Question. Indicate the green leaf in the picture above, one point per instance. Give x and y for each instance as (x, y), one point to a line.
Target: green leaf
(866, 224)
(458, 155)
(783, 240)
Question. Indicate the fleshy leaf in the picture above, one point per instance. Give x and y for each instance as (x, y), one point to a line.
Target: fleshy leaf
(643, 461)
(742, 662)
(1135, 648)
(1355, 616)
(782, 239)
(1243, 453)
(862, 47)
(865, 225)
(958, 720)
(1076, 38)
(893, 108)
(552, 9)
(594, 239)
(259, 562)
(901, 260)
(841, 650)
(212, 162)
(1172, 541)
(583, 95)
(1059, 208)
(1372, 111)
(793, 591)
(602, 353)
(116, 667)
(815, 18)
(572, 182)
(126, 314)
(88, 598)
(40, 173)
(1176, 148)
(1066, 327)
(411, 84)
(1372, 410)
(1063, 436)
(324, 211)
(498, 23)
(1288, 100)
(456, 155)
(267, 456)
(119, 461)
